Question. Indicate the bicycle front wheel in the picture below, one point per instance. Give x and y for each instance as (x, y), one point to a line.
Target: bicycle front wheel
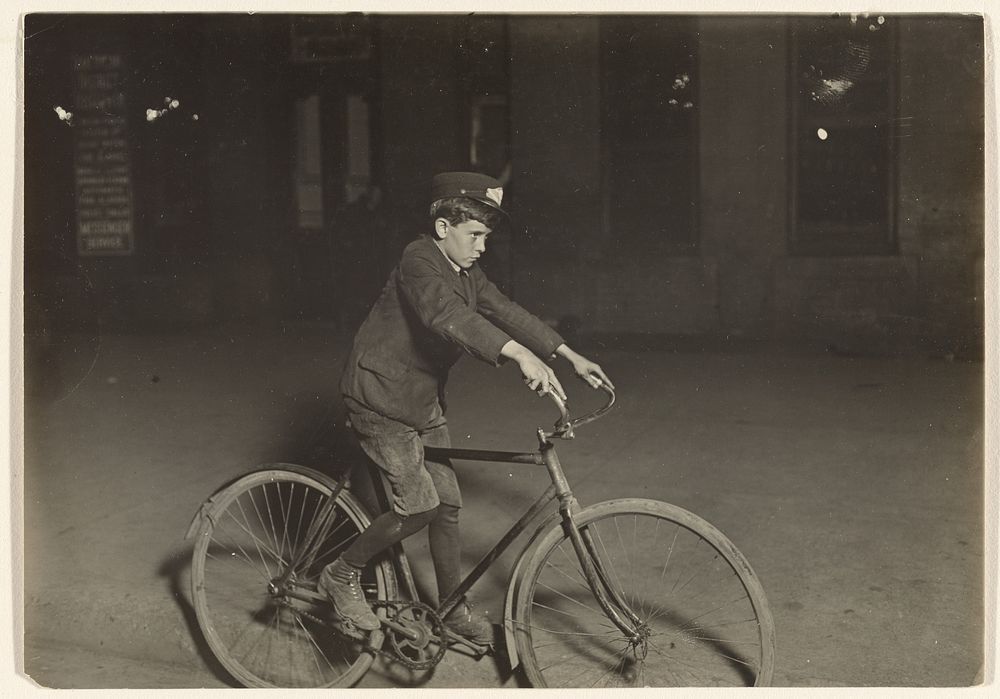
(695, 610)
(261, 546)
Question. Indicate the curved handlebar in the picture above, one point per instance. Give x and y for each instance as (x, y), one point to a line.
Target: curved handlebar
(564, 427)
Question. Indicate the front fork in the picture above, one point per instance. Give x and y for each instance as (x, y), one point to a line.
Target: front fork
(594, 569)
(600, 582)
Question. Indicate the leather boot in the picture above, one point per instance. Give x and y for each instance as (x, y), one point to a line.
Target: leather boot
(466, 622)
(341, 582)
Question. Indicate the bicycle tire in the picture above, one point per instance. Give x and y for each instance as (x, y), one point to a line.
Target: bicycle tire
(245, 541)
(707, 618)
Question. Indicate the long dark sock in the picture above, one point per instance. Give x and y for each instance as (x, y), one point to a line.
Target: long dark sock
(387, 529)
(446, 550)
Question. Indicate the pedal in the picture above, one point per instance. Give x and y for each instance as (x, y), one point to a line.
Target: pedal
(481, 650)
(472, 649)
(347, 628)
(475, 649)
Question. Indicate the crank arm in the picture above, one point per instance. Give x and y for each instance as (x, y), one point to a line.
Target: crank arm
(450, 638)
(401, 629)
(453, 639)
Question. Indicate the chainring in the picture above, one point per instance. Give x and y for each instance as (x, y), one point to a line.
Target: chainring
(422, 653)
(427, 648)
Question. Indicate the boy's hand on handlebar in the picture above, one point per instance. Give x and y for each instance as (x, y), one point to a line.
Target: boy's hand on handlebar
(587, 370)
(591, 373)
(538, 376)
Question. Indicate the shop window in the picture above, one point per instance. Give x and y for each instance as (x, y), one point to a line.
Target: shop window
(842, 137)
(308, 170)
(489, 134)
(649, 138)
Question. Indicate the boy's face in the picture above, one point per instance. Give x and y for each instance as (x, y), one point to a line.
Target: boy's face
(462, 243)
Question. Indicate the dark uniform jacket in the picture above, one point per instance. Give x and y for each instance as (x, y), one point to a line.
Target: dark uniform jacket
(426, 317)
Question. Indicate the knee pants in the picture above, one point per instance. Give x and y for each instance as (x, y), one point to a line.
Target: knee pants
(397, 449)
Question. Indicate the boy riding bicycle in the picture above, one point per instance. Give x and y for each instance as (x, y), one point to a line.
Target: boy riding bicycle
(436, 305)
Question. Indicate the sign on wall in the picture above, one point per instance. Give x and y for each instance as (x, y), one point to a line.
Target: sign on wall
(102, 163)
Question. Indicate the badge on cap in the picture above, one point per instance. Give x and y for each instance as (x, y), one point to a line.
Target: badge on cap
(474, 185)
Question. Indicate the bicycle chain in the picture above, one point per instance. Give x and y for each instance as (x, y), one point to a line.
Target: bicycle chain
(394, 655)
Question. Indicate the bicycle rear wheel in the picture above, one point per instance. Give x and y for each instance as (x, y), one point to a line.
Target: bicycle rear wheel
(267, 625)
(698, 611)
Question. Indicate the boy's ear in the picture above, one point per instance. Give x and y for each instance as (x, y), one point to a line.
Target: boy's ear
(440, 228)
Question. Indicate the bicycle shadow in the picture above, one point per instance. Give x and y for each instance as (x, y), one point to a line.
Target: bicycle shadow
(176, 569)
(315, 434)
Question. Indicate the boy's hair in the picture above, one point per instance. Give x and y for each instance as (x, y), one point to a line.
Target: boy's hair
(456, 210)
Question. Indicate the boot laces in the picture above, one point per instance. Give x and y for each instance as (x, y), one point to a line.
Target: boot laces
(354, 585)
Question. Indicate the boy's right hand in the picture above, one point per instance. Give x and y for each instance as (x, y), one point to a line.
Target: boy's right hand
(538, 375)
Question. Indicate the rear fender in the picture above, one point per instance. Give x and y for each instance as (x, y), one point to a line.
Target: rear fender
(206, 509)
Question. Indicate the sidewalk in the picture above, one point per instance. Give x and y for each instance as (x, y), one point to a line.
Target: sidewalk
(854, 486)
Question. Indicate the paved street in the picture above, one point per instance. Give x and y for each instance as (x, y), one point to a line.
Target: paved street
(853, 485)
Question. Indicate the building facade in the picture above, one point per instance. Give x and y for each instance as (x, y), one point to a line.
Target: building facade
(803, 178)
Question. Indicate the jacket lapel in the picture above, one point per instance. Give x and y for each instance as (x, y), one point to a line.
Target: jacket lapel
(460, 285)
(465, 288)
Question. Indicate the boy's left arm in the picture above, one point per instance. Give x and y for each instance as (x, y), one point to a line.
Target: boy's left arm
(531, 332)
(587, 370)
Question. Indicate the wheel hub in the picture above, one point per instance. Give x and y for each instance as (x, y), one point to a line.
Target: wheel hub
(277, 588)
(640, 642)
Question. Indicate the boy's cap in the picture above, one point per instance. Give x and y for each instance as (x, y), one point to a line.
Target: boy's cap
(468, 184)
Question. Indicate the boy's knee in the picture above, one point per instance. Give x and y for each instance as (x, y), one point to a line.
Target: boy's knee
(447, 513)
(422, 518)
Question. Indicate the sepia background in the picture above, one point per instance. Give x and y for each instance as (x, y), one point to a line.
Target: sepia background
(769, 230)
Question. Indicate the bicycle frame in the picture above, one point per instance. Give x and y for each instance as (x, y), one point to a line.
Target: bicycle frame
(559, 490)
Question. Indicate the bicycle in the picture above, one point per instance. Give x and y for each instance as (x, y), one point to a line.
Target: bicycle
(627, 592)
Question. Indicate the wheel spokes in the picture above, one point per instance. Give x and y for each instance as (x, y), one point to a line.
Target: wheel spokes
(697, 622)
(242, 581)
